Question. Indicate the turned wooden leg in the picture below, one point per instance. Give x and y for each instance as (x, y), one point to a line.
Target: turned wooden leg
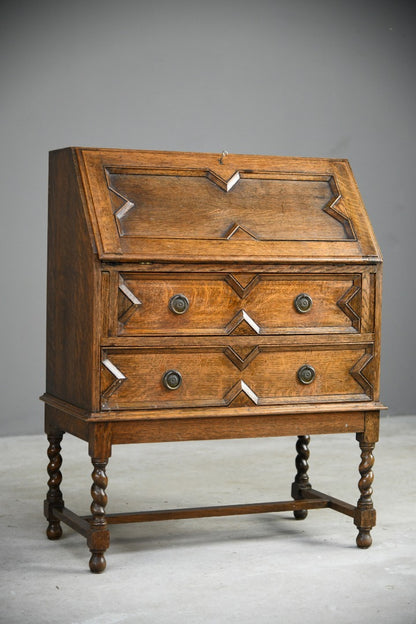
(365, 515)
(99, 537)
(54, 498)
(301, 482)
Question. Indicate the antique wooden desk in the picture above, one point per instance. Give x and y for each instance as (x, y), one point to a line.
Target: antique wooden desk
(207, 296)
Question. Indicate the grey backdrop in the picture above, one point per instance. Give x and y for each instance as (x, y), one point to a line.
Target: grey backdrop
(306, 78)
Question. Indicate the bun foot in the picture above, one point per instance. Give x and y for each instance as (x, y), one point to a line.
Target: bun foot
(300, 514)
(54, 531)
(97, 562)
(364, 539)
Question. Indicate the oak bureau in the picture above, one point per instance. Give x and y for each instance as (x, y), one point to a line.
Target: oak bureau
(206, 296)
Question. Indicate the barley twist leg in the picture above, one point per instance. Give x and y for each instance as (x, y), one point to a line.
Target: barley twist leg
(365, 517)
(54, 498)
(301, 482)
(99, 536)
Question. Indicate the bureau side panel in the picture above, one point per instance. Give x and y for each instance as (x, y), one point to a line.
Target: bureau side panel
(73, 283)
(377, 328)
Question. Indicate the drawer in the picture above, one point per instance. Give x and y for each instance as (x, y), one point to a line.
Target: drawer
(194, 376)
(236, 304)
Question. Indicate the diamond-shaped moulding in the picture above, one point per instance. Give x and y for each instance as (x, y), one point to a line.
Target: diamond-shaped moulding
(241, 395)
(242, 325)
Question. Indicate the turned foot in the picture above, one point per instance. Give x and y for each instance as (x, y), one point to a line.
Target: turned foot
(301, 482)
(364, 539)
(54, 530)
(365, 514)
(300, 514)
(99, 536)
(54, 498)
(97, 562)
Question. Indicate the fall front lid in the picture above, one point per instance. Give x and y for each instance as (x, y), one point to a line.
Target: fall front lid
(179, 206)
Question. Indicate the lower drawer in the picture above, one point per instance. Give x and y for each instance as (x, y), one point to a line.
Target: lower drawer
(142, 377)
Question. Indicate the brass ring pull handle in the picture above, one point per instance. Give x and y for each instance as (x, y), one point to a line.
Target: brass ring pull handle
(303, 303)
(306, 374)
(178, 304)
(172, 379)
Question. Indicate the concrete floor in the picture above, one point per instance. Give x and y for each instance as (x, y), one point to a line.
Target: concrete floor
(265, 568)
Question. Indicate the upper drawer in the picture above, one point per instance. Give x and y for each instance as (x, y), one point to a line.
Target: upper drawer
(236, 304)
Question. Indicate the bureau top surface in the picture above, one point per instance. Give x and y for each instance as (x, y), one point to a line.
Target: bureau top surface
(204, 207)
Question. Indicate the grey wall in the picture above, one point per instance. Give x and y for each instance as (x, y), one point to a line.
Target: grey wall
(306, 78)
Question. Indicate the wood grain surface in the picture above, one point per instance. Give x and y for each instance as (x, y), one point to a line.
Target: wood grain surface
(236, 239)
(214, 301)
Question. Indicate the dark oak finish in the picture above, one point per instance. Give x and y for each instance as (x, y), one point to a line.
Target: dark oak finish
(54, 501)
(205, 296)
(365, 517)
(99, 536)
(301, 482)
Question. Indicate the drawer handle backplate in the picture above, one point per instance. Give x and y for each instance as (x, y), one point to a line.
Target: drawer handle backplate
(306, 374)
(172, 379)
(303, 303)
(178, 304)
